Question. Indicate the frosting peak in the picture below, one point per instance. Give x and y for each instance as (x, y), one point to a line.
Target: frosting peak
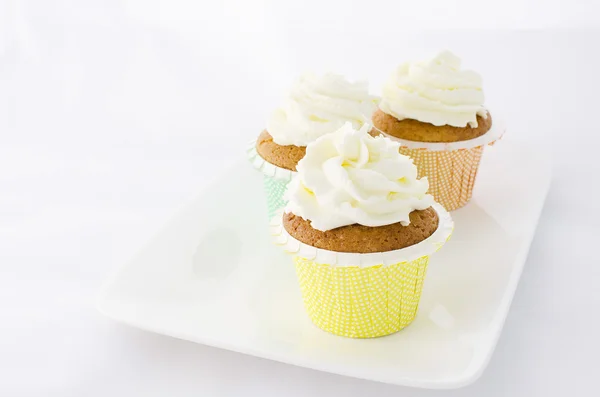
(436, 91)
(317, 105)
(349, 177)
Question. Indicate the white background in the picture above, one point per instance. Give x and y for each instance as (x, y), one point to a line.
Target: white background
(115, 113)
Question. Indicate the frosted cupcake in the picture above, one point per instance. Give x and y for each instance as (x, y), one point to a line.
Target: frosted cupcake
(436, 110)
(361, 227)
(315, 106)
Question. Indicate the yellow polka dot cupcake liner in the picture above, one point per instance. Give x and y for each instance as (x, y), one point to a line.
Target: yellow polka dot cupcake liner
(275, 179)
(362, 295)
(361, 302)
(450, 168)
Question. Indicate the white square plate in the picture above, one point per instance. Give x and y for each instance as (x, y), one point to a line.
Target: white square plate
(212, 276)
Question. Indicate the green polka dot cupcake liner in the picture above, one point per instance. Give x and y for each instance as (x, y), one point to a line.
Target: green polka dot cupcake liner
(275, 180)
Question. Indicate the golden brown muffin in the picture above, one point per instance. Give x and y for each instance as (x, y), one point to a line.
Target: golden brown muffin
(364, 239)
(282, 156)
(414, 130)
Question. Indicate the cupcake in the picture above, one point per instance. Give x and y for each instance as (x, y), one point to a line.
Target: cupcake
(361, 227)
(315, 106)
(435, 110)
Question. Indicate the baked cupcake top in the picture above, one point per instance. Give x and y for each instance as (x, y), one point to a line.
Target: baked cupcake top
(435, 91)
(350, 177)
(317, 105)
(285, 157)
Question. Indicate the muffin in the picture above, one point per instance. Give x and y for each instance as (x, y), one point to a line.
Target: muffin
(435, 110)
(315, 105)
(361, 227)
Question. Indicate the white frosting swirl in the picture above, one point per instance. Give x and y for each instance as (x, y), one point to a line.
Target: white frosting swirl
(435, 91)
(317, 105)
(349, 177)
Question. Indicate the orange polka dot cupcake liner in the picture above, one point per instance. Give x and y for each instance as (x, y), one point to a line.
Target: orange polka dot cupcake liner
(451, 168)
(451, 174)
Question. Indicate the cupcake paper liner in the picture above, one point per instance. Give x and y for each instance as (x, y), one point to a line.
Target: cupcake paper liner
(275, 179)
(451, 174)
(451, 167)
(362, 295)
(274, 190)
